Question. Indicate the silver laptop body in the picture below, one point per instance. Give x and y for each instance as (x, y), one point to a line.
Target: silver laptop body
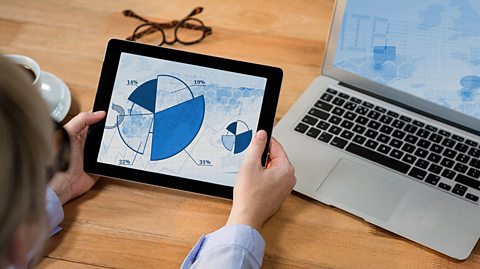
(426, 207)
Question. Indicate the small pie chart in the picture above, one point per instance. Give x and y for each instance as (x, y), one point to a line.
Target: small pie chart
(238, 137)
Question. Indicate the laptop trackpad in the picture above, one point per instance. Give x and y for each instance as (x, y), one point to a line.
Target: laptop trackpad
(353, 186)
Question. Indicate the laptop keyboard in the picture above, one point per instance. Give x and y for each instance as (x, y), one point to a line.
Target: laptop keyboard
(421, 151)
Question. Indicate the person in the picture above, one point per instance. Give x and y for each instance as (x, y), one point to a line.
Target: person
(34, 186)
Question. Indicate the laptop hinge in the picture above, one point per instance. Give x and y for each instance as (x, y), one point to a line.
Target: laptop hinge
(407, 107)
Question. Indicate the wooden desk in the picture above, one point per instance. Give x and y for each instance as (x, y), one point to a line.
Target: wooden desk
(125, 225)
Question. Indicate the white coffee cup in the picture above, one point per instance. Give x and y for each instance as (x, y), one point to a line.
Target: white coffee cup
(30, 66)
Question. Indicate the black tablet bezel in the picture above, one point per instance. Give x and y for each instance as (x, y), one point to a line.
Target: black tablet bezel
(104, 92)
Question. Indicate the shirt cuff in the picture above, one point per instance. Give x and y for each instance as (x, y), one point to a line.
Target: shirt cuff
(54, 210)
(239, 235)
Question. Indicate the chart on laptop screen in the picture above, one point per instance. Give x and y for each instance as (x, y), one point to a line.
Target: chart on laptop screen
(430, 49)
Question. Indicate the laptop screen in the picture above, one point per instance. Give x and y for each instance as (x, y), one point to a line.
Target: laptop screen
(430, 48)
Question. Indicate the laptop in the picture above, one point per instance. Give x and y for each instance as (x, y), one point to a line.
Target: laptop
(390, 130)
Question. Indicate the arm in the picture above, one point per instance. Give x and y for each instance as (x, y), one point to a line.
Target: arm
(257, 195)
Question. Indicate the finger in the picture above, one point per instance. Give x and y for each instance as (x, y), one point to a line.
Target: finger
(277, 153)
(256, 148)
(82, 120)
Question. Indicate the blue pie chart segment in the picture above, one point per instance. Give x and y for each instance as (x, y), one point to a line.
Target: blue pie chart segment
(242, 141)
(175, 128)
(237, 142)
(145, 95)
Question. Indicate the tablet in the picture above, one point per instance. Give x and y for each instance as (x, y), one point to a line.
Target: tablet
(178, 119)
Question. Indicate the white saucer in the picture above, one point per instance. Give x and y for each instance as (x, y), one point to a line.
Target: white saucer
(57, 95)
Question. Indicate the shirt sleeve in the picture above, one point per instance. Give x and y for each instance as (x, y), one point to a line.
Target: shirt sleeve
(234, 246)
(54, 210)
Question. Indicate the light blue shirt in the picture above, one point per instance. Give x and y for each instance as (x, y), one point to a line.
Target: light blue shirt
(233, 246)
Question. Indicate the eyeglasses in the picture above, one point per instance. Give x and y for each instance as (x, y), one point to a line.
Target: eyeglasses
(187, 31)
(62, 150)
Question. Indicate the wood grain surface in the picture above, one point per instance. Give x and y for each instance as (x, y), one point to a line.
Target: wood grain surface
(120, 224)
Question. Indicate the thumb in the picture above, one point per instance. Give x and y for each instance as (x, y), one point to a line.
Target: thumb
(82, 120)
(256, 148)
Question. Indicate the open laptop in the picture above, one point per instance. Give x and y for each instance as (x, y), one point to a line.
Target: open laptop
(390, 130)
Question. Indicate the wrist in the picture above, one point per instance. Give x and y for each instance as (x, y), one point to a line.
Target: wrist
(244, 219)
(60, 187)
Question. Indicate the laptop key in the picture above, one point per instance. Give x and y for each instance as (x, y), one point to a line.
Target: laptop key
(473, 173)
(344, 95)
(434, 157)
(380, 109)
(408, 148)
(444, 133)
(347, 135)
(398, 124)
(419, 124)
(405, 118)
(422, 164)
(468, 181)
(367, 104)
(373, 114)
(436, 169)
(431, 128)
(361, 120)
(446, 162)
(371, 134)
(335, 120)
(448, 174)
(435, 138)
(338, 111)
(396, 143)
(374, 125)
(332, 91)
(475, 163)
(458, 138)
(459, 189)
(359, 129)
(449, 153)
(323, 106)
(461, 147)
(417, 173)
(325, 137)
(301, 127)
(383, 138)
(384, 149)
(378, 158)
(462, 158)
(472, 197)
(359, 139)
(327, 97)
(347, 124)
(350, 115)
(318, 113)
(474, 152)
(421, 153)
(338, 101)
(361, 110)
(447, 142)
(339, 142)
(436, 148)
(355, 100)
(371, 144)
(410, 128)
(432, 179)
(444, 186)
(424, 143)
(386, 129)
(323, 125)
(398, 134)
(460, 168)
(411, 139)
(409, 159)
(350, 106)
(471, 143)
(397, 154)
(310, 120)
(423, 133)
(334, 130)
(393, 114)
(313, 132)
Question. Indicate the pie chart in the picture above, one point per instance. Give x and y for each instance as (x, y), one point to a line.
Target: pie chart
(238, 137)
(176, 114)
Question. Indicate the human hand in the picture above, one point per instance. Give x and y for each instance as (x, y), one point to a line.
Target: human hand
(75, 182)
(259, 192)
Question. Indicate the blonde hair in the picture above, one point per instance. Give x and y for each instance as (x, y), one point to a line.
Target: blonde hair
(26, 134)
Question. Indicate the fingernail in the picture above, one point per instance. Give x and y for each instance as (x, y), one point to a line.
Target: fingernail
(262, 135)
(98, 112)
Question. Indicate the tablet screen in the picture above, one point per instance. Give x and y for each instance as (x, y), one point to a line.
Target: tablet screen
(180, 119)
